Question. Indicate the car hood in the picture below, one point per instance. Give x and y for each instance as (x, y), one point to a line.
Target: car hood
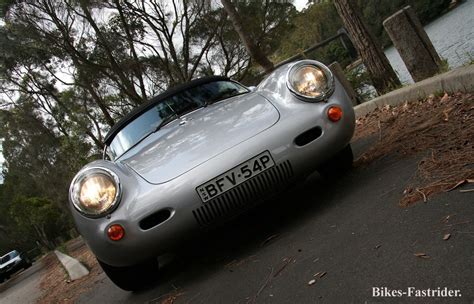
(199, 136)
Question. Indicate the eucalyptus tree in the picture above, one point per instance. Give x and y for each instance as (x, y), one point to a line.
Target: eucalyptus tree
(252, 47)
(380, 71)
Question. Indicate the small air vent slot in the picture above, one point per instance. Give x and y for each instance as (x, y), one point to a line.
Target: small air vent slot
(308, 136)
(155, 219)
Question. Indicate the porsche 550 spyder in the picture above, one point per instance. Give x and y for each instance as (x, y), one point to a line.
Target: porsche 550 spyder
(202, 153)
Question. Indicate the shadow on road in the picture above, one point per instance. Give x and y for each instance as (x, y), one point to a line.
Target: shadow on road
(250, 232)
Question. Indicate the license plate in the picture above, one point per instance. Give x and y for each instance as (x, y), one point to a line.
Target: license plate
(235, 176)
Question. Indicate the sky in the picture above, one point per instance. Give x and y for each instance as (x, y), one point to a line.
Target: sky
(300, 4)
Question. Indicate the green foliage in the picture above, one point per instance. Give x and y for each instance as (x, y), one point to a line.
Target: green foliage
(62, 248)
(444, 66)
(318, 22)
(267, 21)
(4, 6)
(37, 219)
(40, 163)
(360, 81)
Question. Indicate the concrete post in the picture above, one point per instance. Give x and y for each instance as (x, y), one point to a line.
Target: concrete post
(337, 71)
(412, 42)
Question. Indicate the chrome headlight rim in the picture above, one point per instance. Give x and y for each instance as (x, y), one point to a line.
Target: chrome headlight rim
(76, 184)
(311, 63)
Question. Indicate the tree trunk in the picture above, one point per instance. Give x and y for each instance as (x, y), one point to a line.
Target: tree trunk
(380, 71)
(252, 48)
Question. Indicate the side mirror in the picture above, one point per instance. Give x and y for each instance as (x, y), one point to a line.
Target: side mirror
(252, 88)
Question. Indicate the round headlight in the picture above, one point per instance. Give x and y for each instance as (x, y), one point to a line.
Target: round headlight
(311, 81)
(94, 192)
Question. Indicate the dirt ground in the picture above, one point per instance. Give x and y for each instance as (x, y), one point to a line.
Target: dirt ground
(440, 128)
(55, 283)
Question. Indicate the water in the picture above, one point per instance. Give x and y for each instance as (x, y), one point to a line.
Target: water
(452, 36)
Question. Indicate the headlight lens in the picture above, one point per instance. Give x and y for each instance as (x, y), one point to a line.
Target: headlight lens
(95, 191)
(311, 81)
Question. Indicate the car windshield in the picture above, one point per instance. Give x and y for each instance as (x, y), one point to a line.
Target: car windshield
(169, 109)
(8, 257)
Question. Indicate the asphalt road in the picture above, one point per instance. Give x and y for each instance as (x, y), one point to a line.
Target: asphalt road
(350, 229)
(22, 287)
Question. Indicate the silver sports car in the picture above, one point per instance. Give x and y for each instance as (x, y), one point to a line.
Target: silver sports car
(202, 153)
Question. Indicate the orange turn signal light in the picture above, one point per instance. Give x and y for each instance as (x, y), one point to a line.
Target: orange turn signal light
(116, 232)
(334, 113)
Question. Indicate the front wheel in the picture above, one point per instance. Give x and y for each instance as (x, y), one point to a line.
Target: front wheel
(132, 278)
(339, 163)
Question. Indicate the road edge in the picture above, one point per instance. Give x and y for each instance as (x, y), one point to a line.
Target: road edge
(457, 80)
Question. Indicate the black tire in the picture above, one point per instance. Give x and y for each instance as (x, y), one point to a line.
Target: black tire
(132, 278)
(338, 164)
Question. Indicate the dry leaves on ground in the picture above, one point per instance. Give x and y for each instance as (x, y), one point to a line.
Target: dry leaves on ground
(442, 128)
(54, 282)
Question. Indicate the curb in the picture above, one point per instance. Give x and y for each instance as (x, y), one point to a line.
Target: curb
(73, 267)
(457, 80)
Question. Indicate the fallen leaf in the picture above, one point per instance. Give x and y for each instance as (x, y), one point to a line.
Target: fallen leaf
(422, 255)
(446, 114)
(320, 274)
(446, 236)
(286, 261)
(269, 239)
(312, 282)
(460, 183)
(445, 97)
(423, 194)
